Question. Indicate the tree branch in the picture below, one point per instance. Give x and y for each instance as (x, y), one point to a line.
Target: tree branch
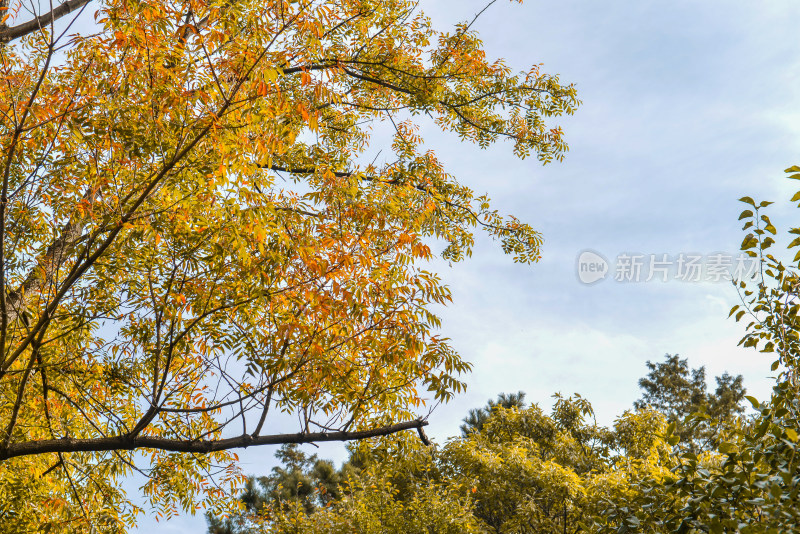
(126, 442)
(345, 174)
(21, 30)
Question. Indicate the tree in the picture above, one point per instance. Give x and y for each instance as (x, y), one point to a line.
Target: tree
(299, 480)
(521, 469)
(401, 489)
(253, 500)
(748, 482)
(195, 234)
(476, 417)
(678, 392)
(524, 471)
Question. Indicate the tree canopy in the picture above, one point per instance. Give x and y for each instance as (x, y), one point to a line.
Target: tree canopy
(515, 468)
(196, 234)
(678, 392)
(477, 417)
(524, 471)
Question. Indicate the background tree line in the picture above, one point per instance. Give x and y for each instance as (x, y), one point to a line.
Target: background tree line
(686, 460)
(514, 468)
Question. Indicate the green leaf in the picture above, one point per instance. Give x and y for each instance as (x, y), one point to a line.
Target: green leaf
(747, 213)
(753, 401)
(748, 200)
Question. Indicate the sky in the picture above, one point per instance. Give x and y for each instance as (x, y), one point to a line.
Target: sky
(687, 106)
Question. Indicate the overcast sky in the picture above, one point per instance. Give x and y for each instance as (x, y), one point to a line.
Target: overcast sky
(687, 106)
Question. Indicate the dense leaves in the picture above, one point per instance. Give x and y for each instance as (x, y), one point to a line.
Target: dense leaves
(678, 392)
(516, 469)
(523, 471)
(196, 235)
(476, 418)
(300, 480)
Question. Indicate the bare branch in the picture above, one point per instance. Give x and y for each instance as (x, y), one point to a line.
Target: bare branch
(21, 30)
(125, 442)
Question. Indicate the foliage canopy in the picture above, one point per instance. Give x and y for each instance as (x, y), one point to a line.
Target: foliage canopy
(196, 235)
(523, 471)
(678, 392)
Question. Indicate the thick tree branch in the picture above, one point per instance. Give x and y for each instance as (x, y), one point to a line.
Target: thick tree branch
(116, 443)
(53, 259)
(21, 30)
